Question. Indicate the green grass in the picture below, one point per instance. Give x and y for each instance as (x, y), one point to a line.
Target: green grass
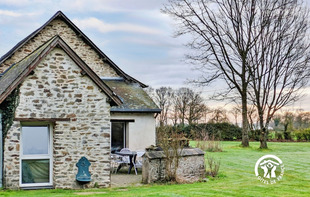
(237, 176)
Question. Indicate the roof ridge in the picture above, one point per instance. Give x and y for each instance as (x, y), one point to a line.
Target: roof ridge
(77, 30)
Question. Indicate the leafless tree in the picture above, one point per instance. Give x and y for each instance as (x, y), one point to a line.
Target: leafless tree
(262, 42)
(287, 120)
(187, 106)
(278, 63)
(163, 97)
(221, 40)
(252, 117)
(174, 115)
(235, 111)
(302, 119)
(196, 107)
(182, 101)
(219, 115)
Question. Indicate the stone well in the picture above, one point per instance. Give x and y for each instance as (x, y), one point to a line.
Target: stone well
(191, 166)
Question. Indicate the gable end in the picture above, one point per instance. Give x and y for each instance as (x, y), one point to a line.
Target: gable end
(16, 74)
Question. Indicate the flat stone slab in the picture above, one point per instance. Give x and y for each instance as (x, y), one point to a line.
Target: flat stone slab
(185, 152)
(123, 180)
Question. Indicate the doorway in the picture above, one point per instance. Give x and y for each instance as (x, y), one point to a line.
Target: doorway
(118, 139)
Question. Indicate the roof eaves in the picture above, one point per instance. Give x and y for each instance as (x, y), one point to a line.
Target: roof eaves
(121, 110)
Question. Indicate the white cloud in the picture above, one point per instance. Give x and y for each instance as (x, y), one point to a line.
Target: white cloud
(14, 2)
(111, 5)
(16, 13)
(10, 13)
(104, 27)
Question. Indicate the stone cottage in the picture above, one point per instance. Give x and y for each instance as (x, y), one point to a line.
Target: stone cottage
(62, 98)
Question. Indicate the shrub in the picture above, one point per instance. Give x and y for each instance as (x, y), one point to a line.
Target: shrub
(172, 143)
(254, 135)
(214, 166)
(209, 144)
(279, 135)
(307, 134)
(298, 135)
(287, 135)
(223, 131)
(303, 134)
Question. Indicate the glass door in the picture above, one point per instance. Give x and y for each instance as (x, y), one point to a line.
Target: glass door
(118, 139)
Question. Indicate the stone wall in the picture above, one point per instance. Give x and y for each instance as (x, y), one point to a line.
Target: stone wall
(58, 90)
(191, 166)
(59, 27)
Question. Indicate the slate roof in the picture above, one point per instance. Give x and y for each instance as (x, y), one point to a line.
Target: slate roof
(62, 16)
(14, 75)
(134, 98)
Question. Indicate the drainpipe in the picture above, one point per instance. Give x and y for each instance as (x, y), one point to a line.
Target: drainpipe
(1, 151)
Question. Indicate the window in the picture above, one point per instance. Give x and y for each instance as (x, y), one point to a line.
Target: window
(36, 156)
(118, 139)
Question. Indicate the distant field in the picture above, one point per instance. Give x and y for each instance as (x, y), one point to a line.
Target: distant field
(237, 176)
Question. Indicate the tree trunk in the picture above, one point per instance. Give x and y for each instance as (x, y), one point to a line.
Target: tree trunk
(285, 127)
(263, 138)
(245, 134)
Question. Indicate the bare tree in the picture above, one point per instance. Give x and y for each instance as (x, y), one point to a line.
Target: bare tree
(264, 42)
(278, 63)
(196, 107)
(302, 119)
(174, 115)
(163, 97)
(287, 120)
(221, 40)
(218, 115)
(252, 117)
(187, 106)
(235, 111)
(182, 101)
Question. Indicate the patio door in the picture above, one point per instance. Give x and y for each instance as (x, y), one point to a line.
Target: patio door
(118, 139)
(36, 156)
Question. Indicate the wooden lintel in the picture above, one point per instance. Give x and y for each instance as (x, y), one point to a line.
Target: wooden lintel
(122, 120)
(41, 119)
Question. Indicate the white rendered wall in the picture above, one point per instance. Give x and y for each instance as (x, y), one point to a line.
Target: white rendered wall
(141, 133)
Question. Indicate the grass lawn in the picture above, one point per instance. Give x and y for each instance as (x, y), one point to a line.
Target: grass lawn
(237, 176)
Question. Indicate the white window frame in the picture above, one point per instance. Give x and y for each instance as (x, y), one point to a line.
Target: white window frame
(37, 157)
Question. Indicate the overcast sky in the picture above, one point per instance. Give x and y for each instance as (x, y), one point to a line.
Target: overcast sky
(133, 33)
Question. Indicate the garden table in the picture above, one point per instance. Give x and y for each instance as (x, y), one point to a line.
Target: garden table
(132, 159)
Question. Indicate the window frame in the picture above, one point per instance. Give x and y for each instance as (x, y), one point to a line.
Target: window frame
(48, 156)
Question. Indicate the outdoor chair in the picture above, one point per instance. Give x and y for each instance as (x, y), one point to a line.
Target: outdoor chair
(117, 161)
(124, 150)
(125, 159)
(138, 163)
